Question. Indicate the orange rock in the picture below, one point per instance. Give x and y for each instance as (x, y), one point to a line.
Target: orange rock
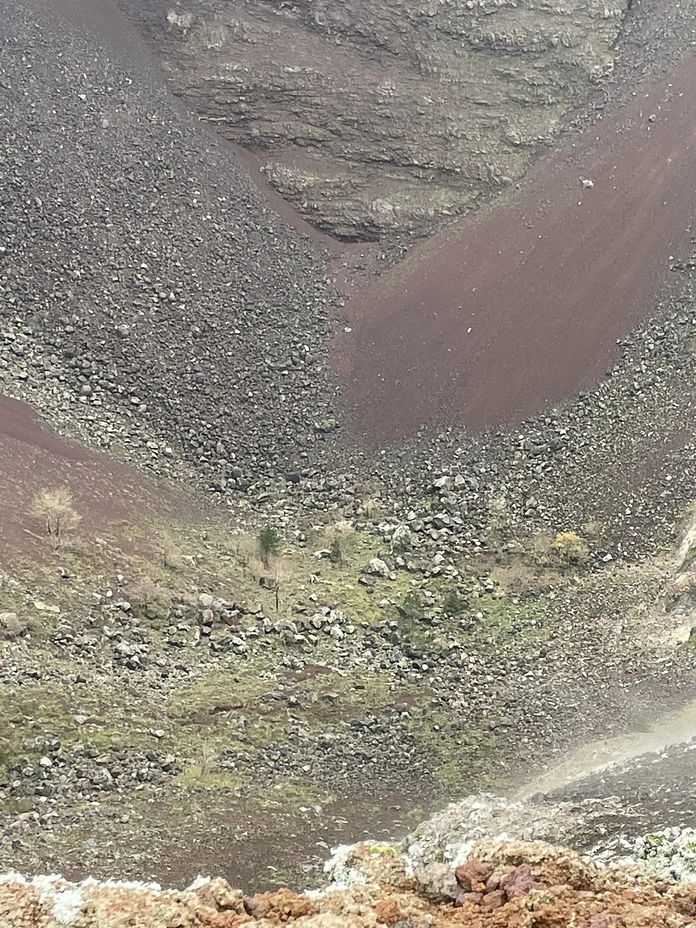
(472, 875)
(388, 911)
(537, 886)
(494, 900)
(280, 906)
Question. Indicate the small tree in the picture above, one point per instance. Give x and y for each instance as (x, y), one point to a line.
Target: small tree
(269, 545)
(55, 508)
(453, 604)
(411, 607)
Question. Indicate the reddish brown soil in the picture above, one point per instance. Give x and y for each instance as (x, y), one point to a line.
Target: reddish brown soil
(108, 494)
(498, 317)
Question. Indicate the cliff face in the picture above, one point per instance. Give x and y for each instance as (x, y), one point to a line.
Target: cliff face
(376, 119)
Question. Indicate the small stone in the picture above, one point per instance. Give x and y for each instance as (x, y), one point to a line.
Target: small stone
(469, 898)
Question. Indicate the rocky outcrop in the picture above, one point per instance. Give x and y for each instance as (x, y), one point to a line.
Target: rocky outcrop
(670, 853)
(506, 884)
(378, 119)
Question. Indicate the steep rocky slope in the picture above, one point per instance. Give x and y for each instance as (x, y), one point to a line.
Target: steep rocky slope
(145, 287)
(162, 310)
(163, 687)
(379, 120)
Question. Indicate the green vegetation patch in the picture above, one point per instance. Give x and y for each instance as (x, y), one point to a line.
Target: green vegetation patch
(510, 621)
(458, 758)
(39, 710)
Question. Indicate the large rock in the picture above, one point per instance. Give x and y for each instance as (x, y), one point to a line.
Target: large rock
(11, 626)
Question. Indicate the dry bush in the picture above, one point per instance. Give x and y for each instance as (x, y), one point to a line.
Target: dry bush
(170, 552)
(559, 550)
(683, 583)
(207, 760)
(55, 508)
(542, 548)
(149, 598)
(341, 540)
(570, 547)
(256, 567)
(680, 592)
(372, 508)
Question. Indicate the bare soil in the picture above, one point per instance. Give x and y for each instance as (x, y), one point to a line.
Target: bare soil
(106, 492)
(496, 318)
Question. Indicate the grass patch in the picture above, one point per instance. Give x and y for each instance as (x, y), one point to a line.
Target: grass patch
(458, 758)
(40, 710)
(508, 621)
(221, 691)
(195, 776)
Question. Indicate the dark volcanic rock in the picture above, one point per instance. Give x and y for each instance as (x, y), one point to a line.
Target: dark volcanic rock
(143, 281)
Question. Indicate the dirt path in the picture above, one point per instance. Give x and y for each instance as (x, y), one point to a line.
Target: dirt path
(497, 317)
